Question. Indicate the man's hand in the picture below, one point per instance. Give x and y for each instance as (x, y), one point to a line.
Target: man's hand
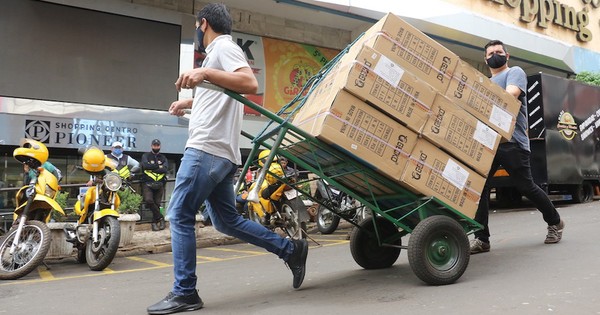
(178, 108)
(189, 79)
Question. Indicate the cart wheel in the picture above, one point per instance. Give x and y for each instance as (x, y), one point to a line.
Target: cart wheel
(366, 250)
(438, 250)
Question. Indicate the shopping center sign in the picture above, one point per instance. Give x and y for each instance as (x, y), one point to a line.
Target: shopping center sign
(555, 12)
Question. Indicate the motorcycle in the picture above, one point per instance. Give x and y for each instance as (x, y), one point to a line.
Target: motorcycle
(276, 205)
(24, 247)
(327, 220)
(97, 232)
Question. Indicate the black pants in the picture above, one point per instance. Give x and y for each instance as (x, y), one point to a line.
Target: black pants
(152, 199)
(515, 161)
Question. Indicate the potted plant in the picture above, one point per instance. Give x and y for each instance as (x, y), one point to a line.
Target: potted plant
(59, 247)
(128, 209)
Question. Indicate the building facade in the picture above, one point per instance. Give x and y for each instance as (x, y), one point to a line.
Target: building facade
(80, 73)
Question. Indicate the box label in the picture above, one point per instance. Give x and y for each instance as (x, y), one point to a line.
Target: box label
(455, 174)
(501, 118)
(389, 70)
(485, 135)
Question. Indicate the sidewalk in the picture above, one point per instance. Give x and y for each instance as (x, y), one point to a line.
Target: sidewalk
(146, 241)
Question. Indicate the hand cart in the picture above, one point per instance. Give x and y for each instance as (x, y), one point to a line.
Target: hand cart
(438, 248)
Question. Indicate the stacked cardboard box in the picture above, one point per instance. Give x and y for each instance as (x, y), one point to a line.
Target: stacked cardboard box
(433, 172)
(345, 121)
(461, 134)
(376, 79)
(486, 100)
(395, 76)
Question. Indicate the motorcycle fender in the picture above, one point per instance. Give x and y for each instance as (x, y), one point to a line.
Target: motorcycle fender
(40, 202)
(267, 205)
(256, 208)
(105, 212)
(51, 202)
(276, 195)
(77, 208)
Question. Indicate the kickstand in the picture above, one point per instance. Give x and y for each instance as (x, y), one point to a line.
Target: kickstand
(312, 239)
(46, 265)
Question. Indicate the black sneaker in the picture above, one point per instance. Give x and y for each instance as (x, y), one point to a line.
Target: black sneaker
(161, 224)
(174, 304)
(297, 261)
(154, 226)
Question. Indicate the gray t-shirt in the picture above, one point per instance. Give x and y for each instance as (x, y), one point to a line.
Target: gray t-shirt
(516, 76)
(216, 119)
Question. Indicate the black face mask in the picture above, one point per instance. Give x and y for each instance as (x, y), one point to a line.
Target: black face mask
(496, 61)
(155, 151)
(200, 35)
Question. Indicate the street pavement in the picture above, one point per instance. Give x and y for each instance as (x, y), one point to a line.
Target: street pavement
(521, 275)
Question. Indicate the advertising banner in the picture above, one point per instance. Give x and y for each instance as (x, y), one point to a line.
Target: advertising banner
(281, 67)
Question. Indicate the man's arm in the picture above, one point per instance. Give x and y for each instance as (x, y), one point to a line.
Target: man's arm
(133, 165)
(516, 82)
(241, 80)
(514, 91)
(146, 165)
(164, 167)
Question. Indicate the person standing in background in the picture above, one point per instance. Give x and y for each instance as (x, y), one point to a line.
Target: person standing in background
(154, 176)
(126, 165)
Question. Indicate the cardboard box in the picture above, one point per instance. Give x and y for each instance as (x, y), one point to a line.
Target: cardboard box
(333, 164)
(486, 100)
(411, 49)
(462, 135)
(376, 79)
(432, 172)
(344, 121)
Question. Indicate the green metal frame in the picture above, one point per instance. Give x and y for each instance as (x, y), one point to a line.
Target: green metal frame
(384, 196)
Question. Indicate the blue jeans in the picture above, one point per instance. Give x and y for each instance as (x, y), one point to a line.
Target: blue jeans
(202, 176)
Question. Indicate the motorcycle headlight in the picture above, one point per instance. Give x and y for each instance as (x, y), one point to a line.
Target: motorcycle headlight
(113, 181)
(49, 192)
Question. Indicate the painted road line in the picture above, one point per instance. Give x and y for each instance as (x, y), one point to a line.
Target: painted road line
(210, 259)
(149, 261)
(44, 273)
(251, 252)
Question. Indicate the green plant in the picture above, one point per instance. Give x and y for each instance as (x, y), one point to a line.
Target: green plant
(592, 78)
(130, 201)
(61, 199)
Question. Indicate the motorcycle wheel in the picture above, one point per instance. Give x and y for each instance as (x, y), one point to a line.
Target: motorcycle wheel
(33, 246)
(253, 216)
(100, 255)
(327, 221)
(81, 255)
(289, 209)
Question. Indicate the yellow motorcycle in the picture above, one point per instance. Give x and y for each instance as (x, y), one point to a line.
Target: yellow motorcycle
(97, 233)
(274, 204)
(27, 242)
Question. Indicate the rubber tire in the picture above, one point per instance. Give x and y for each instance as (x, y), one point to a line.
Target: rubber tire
(438, 250)
(252, 216)
(323, 227)
(297, 229)
(109, 247)
(583, 193)
(365, 248)
(81, 256)
(37, 258)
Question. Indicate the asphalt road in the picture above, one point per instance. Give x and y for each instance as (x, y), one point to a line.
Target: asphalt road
(521, 275)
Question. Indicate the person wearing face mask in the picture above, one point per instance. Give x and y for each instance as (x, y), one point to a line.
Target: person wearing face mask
(514, 154)
(126, 165)
(154, 176)
(210, 161)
